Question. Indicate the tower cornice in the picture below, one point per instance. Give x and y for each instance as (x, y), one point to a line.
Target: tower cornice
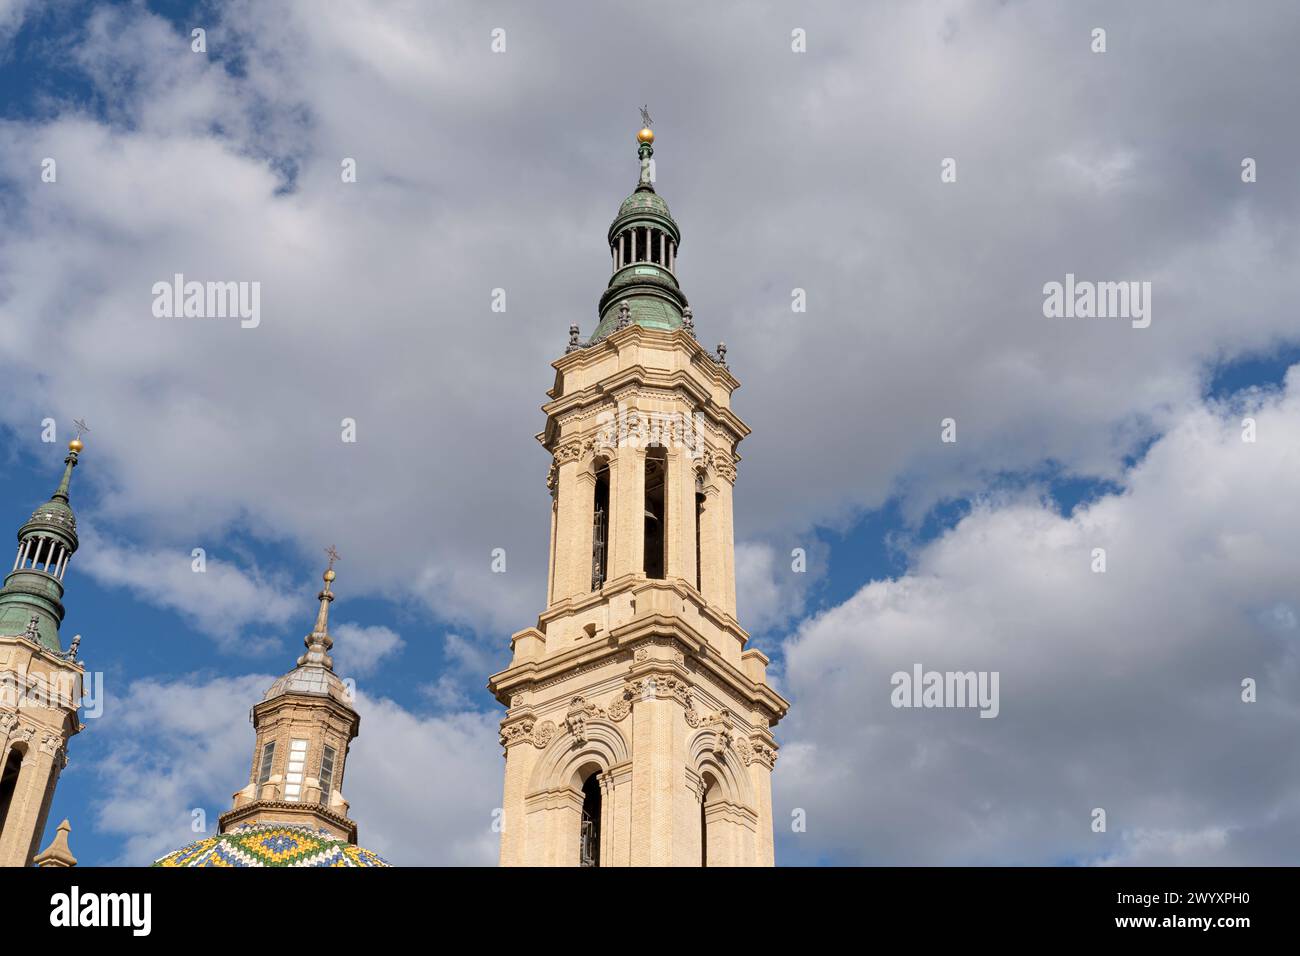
(652, 625)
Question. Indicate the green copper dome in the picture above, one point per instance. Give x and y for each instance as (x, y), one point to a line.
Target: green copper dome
(642, 202)
(643, 239)
(31, 600)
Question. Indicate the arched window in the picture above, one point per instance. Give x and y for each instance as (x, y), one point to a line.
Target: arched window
(9, 783)
(589, 852)
(709, 796)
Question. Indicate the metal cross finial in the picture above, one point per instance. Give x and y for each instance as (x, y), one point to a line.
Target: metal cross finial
(645, 117)
(333, 555)
(81, 426)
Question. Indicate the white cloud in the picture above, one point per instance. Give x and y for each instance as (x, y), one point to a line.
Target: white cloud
(230, 604)
(1119, 690)
(769, 592)
(359, 649)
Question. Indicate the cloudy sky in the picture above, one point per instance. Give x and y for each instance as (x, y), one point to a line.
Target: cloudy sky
(817, 170)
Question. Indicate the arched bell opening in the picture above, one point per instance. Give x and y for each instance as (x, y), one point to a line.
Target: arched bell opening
(655, 514)
(589, 829)
(9, 783)
(600, 527)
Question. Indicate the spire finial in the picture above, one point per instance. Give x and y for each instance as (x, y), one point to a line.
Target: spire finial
(319, 641)
(646, 137)
(74, 449)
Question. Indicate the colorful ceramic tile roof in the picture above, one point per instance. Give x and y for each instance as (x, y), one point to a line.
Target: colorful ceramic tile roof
(272, 844)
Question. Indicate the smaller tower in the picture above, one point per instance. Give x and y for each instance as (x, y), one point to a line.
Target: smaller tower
(304, 726)
(40, 685)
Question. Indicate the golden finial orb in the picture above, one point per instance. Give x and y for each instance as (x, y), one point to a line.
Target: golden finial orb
(647, 135)
(75, 445)
(329, 575)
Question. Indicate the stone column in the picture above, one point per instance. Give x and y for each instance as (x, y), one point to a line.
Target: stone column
(514, 817)
(572, 527)
(616, 813)
(585, 537)
(656, 775)
(760, 775)
(563, 828)
(554, 556)
(627, 510)
(675, 517)
(711, 563)
(717, 544)
(25, 821)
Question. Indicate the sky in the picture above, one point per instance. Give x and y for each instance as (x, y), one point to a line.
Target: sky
(819, 169)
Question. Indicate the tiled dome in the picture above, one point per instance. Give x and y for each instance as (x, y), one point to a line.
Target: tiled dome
(272, 844)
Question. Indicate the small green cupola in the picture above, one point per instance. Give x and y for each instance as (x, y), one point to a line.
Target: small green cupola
(31, 601)
(643, 243)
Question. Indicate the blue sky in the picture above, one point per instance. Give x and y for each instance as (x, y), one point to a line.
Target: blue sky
(481, 172)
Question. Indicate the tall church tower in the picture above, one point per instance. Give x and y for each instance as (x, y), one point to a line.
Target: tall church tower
(638, 724)
(40, 683)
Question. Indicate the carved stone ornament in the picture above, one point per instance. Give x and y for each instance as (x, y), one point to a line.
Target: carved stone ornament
(543, 733)
(662, 686)
(620, 707)
(569, 451)
(725, 467)
(721, 724)
(765, 754)
(580, 709)
(528, 731)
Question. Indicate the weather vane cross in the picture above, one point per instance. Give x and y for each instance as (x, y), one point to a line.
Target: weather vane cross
(645, 117)
(333, 556)
(81, 427)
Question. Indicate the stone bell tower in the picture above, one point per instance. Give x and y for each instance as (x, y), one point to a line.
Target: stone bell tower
(638, 729)
(40, 683)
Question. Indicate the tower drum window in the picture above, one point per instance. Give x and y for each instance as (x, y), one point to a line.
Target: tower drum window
(264, 771)
(294, 771)
(326, 774)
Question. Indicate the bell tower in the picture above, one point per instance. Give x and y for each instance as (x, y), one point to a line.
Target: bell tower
(40, 683)
(638, 724)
